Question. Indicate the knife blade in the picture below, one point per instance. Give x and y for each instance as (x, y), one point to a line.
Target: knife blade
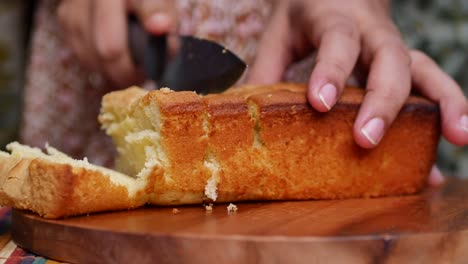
(197, 65)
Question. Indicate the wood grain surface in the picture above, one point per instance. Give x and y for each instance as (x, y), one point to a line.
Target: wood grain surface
(428, 228)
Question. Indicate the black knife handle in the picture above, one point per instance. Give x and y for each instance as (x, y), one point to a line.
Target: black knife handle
(155, 59)
(147, 50)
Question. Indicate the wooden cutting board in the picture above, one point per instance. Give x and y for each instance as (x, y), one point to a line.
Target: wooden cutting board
(428, 228)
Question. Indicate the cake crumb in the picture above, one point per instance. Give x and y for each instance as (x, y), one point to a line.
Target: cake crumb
(175, 210)
(232, 208)
(166, 90)
(209, 207)
(211, 190)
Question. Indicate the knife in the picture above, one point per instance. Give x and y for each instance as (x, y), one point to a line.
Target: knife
(197, 65)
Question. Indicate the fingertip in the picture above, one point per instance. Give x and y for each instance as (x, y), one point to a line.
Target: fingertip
(322, 97)
(454, 120)
(435, 177)
(337, 54)
(328, 95)
(456, 130)
(361, 139)
(369, 134)
(322, 93)
(363, 142)
(158, 23)
(437, 85)
(464, 123)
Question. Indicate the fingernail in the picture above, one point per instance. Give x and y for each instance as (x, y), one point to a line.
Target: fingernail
(160, 20)
(435, 178)
(327, 95)
(373, 130)
(464, 123)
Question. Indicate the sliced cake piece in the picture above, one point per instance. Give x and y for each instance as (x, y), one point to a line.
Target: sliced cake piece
(55, 185)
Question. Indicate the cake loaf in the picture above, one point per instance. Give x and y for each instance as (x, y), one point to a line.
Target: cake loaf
(250, 143)
(55, 185)
(264, 143)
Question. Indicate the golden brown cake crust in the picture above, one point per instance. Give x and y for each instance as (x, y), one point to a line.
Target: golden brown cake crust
(250, 143)
(267, 143)
(313, 155)
(58, 190)
(183, 143)
(77, 190)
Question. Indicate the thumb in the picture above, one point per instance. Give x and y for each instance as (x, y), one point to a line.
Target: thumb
(157, 16)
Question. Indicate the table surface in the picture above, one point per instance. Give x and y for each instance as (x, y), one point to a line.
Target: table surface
(10, 253)
(392, 220)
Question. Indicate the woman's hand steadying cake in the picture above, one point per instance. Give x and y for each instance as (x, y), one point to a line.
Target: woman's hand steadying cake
(351, 35)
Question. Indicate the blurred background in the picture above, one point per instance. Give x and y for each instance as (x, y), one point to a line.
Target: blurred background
(438, 27)
(15, 22)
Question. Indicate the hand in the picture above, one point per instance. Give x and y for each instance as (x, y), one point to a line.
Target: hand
(97, 33)
(347, 34)
(435, 177)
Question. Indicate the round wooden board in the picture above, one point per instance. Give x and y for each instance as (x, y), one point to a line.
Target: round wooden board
(428, 228)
